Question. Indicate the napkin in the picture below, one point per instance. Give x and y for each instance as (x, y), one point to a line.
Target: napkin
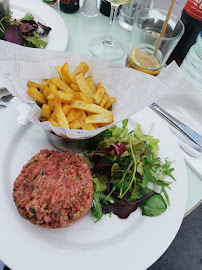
(185, 104)
(133, 90)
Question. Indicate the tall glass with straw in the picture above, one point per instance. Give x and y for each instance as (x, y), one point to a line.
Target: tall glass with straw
(106, 46)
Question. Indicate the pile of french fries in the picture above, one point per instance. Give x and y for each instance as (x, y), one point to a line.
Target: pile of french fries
(72, 101)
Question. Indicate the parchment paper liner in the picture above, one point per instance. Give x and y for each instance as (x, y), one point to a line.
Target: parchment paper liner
(133, 90)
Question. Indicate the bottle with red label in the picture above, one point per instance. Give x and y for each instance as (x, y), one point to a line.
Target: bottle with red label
(192, 20)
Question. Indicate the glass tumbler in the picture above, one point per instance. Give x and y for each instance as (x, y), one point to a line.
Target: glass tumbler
(127, 12)
(148, 51)
(89, 8)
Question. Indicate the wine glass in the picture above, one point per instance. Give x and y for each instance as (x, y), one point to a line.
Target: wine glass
(107, 47)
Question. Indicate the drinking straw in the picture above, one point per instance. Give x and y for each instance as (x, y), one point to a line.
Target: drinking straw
(164, 25)
(131, 11)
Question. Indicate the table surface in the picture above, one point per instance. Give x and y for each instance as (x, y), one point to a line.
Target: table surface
(82, 29)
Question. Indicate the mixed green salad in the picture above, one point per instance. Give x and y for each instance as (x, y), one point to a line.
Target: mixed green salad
(125, 164)
(26, 31)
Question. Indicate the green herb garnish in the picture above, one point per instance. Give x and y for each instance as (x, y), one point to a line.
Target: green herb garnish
(126, 166)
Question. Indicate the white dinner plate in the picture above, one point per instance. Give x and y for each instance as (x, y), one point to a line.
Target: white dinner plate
(58, 36)
(112, 243)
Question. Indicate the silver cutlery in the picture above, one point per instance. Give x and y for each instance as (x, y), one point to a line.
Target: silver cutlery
(193, 135)
(190, 147)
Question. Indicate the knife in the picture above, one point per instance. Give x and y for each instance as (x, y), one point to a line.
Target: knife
(189, 146)
(193, 135)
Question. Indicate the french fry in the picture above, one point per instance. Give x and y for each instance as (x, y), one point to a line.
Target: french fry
(84, 87)
(109, 103)
(103, 125)
(95, 126)
(65, 97)
(58, 68)
(82, 68)
(45, 90)
(43, 119)
(53, 123)
(84, 98)
(67, 76)
(72, 101)
(44, 82)
(99, 93)
(104, 100)
(36, 95)
(45, 111)
(57, 100)
(53, 116)
(66, 109)
(33, 84)
(73, 115)
(61, 118)
(74, 87)
(52, 88)
(89, 113)
(77, 96)
(99, 118)
(60, 84)
(75, 124)
(93, 108)
(91, 84)
(83, 123)
(51, 103)
(69, 91)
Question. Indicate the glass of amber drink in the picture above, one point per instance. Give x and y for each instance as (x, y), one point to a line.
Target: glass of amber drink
(148, 51)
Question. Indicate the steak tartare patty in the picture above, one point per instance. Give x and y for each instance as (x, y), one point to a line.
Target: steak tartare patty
(54, 189)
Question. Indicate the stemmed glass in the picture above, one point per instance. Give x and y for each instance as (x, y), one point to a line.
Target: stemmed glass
(106, 47)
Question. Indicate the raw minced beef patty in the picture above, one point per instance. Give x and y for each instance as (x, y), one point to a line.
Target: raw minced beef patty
(54, 189)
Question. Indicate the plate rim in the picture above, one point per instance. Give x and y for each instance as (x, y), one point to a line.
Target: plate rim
(44, 12)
